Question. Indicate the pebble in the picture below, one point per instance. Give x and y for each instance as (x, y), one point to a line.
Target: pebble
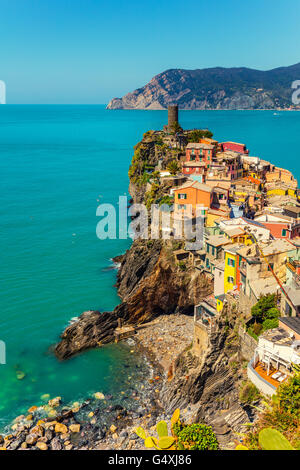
(41, 445)
(74, 427)
(62, 428)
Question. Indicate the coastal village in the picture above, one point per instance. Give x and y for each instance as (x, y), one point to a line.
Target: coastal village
(219, 326)
(251, 246)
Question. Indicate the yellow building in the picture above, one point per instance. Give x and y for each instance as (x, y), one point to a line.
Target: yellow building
(230, 266)
(238, 235)
(220, 302)
(276, 192)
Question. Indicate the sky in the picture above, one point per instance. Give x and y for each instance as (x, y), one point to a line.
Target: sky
(89, 51)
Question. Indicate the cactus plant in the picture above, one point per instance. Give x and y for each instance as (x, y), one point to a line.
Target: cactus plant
(164, 441)
(271, 439)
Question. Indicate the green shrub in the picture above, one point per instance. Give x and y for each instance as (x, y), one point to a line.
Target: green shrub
(198, 134)
(288, 395)
(249, 393)
(272, 313)
(175, 127)
(260, 309)
(270, 323)
(173, 167)
(196, 436)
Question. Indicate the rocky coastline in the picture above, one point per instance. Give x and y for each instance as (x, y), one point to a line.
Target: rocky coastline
(214, 89)
(157, 301)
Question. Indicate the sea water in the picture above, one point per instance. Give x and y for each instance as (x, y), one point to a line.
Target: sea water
(57, 164)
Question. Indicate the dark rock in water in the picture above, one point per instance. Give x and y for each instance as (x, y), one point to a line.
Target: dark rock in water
(118, 259)
(117, 408)
(101, 434)
(90, 330)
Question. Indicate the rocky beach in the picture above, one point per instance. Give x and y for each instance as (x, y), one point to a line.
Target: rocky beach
(155, 319)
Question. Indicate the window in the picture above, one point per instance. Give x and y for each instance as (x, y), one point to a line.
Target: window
(213, 251)
(231, 262)
(283, 232)
(230, 280)
(181, 196)
(288, 309)
(270, 266)
(192, 157)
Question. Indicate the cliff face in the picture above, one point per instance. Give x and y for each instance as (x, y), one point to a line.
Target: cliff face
(149, 284)
(214, 88)
(210, 384)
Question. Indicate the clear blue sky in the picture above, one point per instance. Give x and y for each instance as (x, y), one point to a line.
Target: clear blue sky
(88, 51)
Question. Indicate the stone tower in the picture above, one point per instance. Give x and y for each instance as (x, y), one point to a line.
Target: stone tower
(172, 115)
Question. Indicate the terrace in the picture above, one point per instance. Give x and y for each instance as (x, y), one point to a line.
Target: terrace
(273, 360)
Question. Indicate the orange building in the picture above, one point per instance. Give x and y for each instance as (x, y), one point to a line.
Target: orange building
(191, 194)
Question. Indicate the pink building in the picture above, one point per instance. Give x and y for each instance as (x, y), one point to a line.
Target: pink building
(234, 147)
(203, 153)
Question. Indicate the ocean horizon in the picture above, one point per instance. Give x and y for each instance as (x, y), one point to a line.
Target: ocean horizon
(58, 163)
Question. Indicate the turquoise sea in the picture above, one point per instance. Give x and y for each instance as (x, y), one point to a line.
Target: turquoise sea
(57, 164)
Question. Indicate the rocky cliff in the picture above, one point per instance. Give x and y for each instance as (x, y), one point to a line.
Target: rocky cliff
(214, 88)
(211, 383)
(149, 280)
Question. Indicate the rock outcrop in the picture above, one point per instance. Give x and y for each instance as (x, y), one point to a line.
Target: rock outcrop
(214, 88)
(210, 384)
(150, 284)
(91, 330)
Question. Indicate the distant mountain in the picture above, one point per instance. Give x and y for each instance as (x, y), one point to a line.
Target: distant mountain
(214, 88)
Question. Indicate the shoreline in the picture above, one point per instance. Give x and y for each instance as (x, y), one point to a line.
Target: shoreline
(110, 426)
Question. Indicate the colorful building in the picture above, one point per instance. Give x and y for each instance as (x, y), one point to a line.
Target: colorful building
(195, 170)
(230, 280)
(280, 226)
(234, 147)
(196, 152)
(190, 195)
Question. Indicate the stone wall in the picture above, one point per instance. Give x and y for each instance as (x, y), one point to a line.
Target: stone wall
(247, 344)
(201, 340)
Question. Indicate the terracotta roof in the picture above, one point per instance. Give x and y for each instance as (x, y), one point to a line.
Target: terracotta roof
(196, 185)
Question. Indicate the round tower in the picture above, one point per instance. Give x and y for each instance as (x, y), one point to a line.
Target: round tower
(172, 115)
